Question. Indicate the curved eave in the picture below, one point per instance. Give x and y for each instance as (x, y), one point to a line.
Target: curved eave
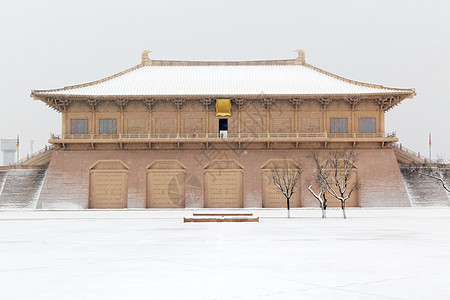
(58, 102)
(360, 83)
(70, 87)
(60, 94)
(38, 95)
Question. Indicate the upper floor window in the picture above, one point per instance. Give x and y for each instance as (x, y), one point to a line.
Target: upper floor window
(79, 126)
(367, 125)
(338, 125)
(108, 126)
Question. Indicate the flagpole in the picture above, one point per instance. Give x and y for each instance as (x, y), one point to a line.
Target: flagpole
(17, 146)
(429, 145)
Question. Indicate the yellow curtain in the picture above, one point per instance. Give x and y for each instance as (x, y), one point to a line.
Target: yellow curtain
(223, 107)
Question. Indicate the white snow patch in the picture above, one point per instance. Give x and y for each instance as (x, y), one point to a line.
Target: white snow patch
(152, 254)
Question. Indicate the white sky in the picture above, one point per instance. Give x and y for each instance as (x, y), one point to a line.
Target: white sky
(51, 44)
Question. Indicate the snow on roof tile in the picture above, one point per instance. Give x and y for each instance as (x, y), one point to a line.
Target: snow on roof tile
(151, 80)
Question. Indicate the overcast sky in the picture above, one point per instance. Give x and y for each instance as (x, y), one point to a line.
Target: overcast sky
(51, 44)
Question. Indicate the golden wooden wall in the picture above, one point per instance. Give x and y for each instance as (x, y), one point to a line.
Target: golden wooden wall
(193, 117)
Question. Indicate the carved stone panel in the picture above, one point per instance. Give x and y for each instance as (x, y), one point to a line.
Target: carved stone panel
(108, 185)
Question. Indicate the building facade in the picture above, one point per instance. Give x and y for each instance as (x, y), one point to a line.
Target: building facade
(174, 134)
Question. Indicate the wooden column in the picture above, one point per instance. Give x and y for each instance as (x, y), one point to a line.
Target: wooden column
(206, 102)
(94, 122)
(64, 123)
(207, 119)
(296, 119)
(296, 103)
(267, 103)
(239, 102)
(178, 121)
(325, 102)
(122, 103)
(93, 104)
(64, 104)
(150, 103)
(353, 102)
(178, 104)
(383, 103)
(239, 119)
(150, 121)
(121, 122)
(353, 120)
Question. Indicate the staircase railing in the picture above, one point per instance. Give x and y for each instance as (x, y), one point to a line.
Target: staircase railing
(410, 152)
(32, 155)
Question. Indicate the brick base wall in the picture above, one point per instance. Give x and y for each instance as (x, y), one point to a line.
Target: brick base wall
(66, 185)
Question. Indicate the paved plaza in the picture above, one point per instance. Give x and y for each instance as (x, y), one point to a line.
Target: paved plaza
(151, 254)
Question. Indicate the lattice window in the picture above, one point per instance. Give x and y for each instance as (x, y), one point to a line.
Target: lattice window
(108, 126)
(367, 125)
(79, 126)
(338, 125)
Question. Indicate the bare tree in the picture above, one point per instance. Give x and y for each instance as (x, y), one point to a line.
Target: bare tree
(320, 178)
(286, 176)
(430, 170)
(340, 165)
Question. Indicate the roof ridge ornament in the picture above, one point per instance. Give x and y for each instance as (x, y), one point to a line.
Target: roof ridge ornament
(300, 60)
(145, 60)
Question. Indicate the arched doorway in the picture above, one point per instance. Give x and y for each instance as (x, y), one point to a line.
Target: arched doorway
(108, 184)
(166, 184)
(224, 184)
(272, 196)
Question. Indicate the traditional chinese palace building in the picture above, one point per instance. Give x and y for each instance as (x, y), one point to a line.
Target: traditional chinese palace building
(174, 134)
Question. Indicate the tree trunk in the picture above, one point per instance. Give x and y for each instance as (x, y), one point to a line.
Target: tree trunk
(343, 209)
(324, 212)
(288, 208)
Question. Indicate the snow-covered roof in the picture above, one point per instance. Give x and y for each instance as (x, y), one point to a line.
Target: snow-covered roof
(215, 79)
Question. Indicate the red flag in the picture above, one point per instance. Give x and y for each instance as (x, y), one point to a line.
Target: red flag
(17, 144)
(429, 139)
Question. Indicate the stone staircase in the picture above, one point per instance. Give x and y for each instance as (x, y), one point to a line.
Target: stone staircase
(39, 158)
(2, 179)
(21, 188)
(425, 191)
(406, 156)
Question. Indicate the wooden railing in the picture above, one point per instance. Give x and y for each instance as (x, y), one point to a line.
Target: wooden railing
(183, 136)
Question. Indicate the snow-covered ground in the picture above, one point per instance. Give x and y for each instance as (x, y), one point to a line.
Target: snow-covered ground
(148, 254)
